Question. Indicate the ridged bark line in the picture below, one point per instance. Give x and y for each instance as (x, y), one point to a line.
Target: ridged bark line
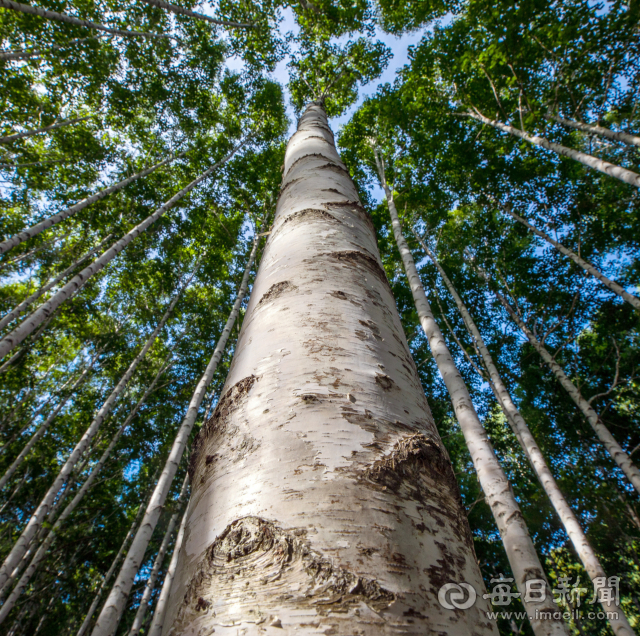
(522, 432)
(107, 577)
(38, 131)
(611, 170)
(517, 542)
(30, 232)
(138, 621)
(52, 534)
(42, 429)
(586, 266)
(620, 457)
(592, 129)
(77, 282)
(18, 309)
(182, 11)
(155, 629)
(42, 511)
(23, 55)
(63, 17)
(115, 604)
(322, 498)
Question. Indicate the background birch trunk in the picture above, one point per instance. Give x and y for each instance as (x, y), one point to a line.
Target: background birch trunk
(521, 552)
(323, 500)
(620, 624)
(592, 129)
(31, 133)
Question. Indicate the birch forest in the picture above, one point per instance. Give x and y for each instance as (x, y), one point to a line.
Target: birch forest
(319, 317)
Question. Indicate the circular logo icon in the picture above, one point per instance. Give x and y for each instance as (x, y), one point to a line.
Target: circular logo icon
(452, 596)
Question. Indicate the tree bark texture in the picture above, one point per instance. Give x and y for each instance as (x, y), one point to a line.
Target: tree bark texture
(323, 501)
(522, 432)
(592, 129)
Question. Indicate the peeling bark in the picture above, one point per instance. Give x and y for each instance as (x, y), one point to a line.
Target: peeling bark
(323, 501)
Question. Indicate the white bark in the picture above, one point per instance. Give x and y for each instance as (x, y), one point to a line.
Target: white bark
(63, 17)
(115, 604)
(592, 129)
(77, 282)
(52, 534)
(518, 545)
(42, 429)
(585, 552)
(42, 511)
(628, 176)
(20, 308)
(155, 629)
(23, 55)
(620, 457)
(586, 266)
(322, 498)
(138, 621)
(182, 11)
(30, 232)
(31, 133)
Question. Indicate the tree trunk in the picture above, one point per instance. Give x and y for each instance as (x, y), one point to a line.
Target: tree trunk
(182, 11)
(16, 239)
(77, 282)
(32, 252)
(31, 133)
(157, 563)
(115, 604)
(586, 266)
(592, 129)
(42, 511)
(583, 548)
(322, 498)
(518, 545)
(615, 450)
(155, 629)
(63, 17)
(16, 311)
(45, 425)
(23, 55)
(611, 170)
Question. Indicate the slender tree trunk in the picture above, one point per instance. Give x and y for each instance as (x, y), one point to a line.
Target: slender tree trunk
(31, 252)
(592, 129)
(42, 429)
(615, 450)
(38, 131)
(322, 498)
(583, 548)
(182, 11)
(63, 17)
(155, 629)
(52, 534)
(138, 621)
(115, 604)
(518, 545)
(23, 55)
(42, 511)
(16, 311)
(628, 176)
(16, 239)
(77, 282)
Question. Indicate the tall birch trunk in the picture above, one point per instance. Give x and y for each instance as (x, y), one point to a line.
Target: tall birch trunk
(77, 282)
(30, 232)
(20, 308)
(611, 170)
(201, 16)
(323, 500)
(42, 429)
(63, 17)
(157, 623)
(32, 252)
(586, 266)
(38, 131)
(26, 54)
(138, 621)
(620, 457)
(115, 604)
(52, 534)
(592, 129)
(619, 624)
(518, 545)
(43, 509)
